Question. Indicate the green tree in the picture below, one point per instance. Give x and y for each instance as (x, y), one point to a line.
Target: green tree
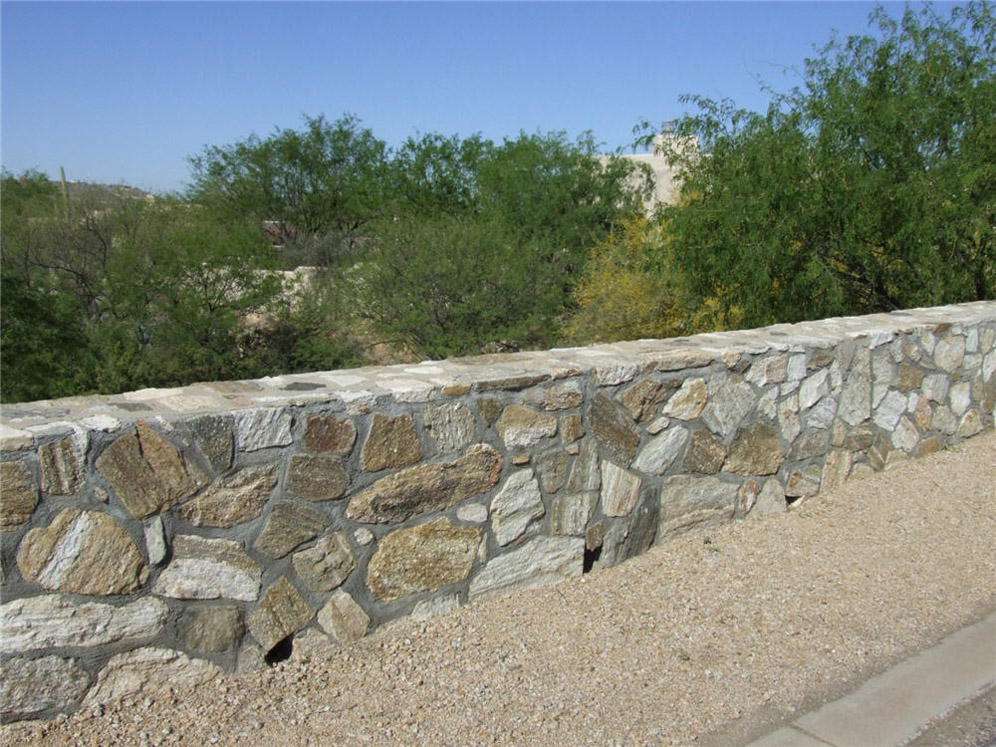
(177, 298)
(319, 185)
(485, 241)
(455, 285)
(871, 187)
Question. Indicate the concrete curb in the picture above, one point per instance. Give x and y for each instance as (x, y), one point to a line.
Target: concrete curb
(892, 708)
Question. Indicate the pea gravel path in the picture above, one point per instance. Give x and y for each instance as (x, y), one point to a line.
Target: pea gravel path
(710, 639)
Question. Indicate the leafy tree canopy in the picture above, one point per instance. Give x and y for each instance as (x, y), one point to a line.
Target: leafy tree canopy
(870, 187)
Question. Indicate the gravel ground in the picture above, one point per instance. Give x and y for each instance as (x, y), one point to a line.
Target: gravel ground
(709, 639)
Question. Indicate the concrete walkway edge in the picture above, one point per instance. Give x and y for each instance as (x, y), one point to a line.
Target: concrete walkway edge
(890, 709)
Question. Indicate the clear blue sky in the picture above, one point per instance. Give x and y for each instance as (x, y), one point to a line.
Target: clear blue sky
(120, 92)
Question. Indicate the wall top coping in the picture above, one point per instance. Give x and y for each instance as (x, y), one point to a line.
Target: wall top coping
(23, 425)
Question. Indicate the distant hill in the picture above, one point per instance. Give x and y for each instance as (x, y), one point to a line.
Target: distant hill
(103, 195)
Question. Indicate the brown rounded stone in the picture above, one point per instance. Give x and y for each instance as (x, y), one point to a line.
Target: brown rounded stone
(213, 629)
(392, 443)
(705, 454)
(329, 433)
(146, 472)
(756, 451)
(316, 478)
(281, 612)
(521, 426)
(326, 565)
(614, 428)
(60, 471)
(289, 525)
(83, 552)
(427, 487)
(422, 558)
(19, 494)
(231, 500)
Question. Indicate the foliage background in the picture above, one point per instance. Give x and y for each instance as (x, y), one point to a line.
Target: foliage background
(871, 186)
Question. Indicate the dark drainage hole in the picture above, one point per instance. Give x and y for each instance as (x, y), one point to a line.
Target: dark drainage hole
(590, 558)
(280, 652)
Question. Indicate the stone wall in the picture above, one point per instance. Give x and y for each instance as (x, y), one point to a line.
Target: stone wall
(170, 535)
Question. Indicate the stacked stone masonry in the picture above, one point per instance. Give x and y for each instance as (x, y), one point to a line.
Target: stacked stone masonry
(167, 536)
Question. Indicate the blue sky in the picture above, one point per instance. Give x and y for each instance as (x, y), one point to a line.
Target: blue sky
(121, 92)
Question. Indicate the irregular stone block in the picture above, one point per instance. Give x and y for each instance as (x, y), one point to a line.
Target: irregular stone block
(613, 428)
(30, 687)
(836, 468)
(60, 468)
(85, 552)
(55, 621)
(944, 421)
(288, 526)
(262, 428)
(905, 436)
(689, 401)
(706, 453)
(392, 443)
(788, 418)
(960, 398)
(890, 410)
(146, 472)
(328, 433)
(473, 513)
(594, 536)
(935, 387)
(689, 502)
(421, 558)
(756, 450)
(729, 401)
(747, 496)
(343, 619)
(949, 352)
(627, 538)
(855, 397)
(212, 434)
(551, 469)
(804, 482)
(19, 495)
(209, 569)
(429, 608)
(679, 360)
(564, 395)
(155, 540)
(522, 427)
(970, 425)
(859, 439)
(620, 490)
(148, 672)
(822, 415)
(642, 398)
(570, 513)
(316, 478)
(280, 613)
(585, 475)
(212, 630)
(515, 506)
(452, 427)
(910, 377)
(541, 561)
(231, 500)
(813, 389)
(810, 444)
(427, 487)
(326, 565)
(571, 429)
(660, 453)
(771, 500)
(769, 370)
